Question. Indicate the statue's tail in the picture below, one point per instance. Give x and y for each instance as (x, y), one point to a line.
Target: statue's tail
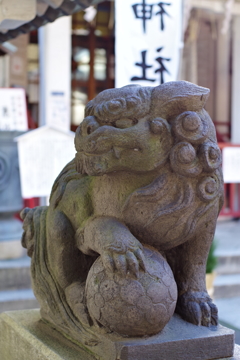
(51, 297)
(28, 236)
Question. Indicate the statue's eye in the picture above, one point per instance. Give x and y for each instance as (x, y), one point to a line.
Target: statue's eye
(125, 123)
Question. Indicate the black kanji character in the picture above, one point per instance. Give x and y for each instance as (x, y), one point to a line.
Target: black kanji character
(162, 12)
(144, 12)
(144, 66)
(162, 68)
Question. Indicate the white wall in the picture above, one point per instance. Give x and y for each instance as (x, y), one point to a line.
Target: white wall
(55, 73)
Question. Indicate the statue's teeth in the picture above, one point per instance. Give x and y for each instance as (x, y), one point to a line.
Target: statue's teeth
(117, 152)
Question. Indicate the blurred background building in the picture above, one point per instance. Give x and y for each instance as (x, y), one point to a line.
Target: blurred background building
(210, 55)
(76, 39)
(82, 46)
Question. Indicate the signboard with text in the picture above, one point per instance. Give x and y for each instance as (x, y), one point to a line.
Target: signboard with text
(58, 110)
(148, 41)
(13, 110)
(43, 153)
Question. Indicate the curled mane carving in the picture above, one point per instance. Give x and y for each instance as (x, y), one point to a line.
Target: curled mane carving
(190, 185)
(191, 168)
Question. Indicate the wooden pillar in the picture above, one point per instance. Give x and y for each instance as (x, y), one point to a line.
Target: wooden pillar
(222, 107)
(189, 65)
(91, 84)
(236, 82)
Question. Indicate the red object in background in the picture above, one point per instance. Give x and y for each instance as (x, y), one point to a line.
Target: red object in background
(231, 206)
(223, 137)
(31, 122)
(30, 203)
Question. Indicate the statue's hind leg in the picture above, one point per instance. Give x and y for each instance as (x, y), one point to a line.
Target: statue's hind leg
(188, 262)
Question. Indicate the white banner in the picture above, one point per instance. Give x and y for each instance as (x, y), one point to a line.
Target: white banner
(148, 41)
(55, 73)
(231, 164)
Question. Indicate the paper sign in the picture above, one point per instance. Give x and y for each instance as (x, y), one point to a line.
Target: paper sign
(13, 112)
(231, 164)
(148, 41)
(58, 110)
(43, 153)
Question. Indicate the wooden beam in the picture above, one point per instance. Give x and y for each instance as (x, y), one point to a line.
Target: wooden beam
(236, 81)
(14, 12)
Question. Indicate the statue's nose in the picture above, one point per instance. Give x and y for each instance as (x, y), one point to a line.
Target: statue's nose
(88, 126)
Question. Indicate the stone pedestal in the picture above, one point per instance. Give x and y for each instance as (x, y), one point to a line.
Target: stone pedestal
(25, 337)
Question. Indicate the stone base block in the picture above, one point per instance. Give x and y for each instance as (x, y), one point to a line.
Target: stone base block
(25, 337)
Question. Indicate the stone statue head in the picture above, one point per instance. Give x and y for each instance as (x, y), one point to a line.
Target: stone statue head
(139, 129)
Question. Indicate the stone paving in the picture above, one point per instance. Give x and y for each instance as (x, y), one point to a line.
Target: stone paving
(228, 237)
(227, 282)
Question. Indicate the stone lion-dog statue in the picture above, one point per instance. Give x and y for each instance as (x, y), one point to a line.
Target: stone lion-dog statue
(143, 193)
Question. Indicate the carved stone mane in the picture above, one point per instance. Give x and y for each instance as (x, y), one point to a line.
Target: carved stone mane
(132, 217)
(192, 163)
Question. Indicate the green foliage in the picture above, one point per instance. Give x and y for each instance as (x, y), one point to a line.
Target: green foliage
(212, 259)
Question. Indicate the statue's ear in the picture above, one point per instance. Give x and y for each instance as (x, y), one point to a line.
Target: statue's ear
(173, 98)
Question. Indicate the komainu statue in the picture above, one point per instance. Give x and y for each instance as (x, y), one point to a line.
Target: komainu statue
(124, 242)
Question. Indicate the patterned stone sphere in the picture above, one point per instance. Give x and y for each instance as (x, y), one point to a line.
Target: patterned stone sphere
(129, 306)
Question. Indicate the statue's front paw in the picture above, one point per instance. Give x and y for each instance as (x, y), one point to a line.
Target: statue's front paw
(197, 308)
(124, 259)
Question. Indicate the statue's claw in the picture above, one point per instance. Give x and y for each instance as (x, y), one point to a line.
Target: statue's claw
(140, 257)
(123, 263)
(108, 262)
(197, 308)
(120, 262)
(214, 313)
(133, 264)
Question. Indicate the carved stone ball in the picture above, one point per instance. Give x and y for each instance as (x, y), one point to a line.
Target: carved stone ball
(132, 307)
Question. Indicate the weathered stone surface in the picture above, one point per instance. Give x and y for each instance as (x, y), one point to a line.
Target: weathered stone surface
(25, 337)
(136, 209)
